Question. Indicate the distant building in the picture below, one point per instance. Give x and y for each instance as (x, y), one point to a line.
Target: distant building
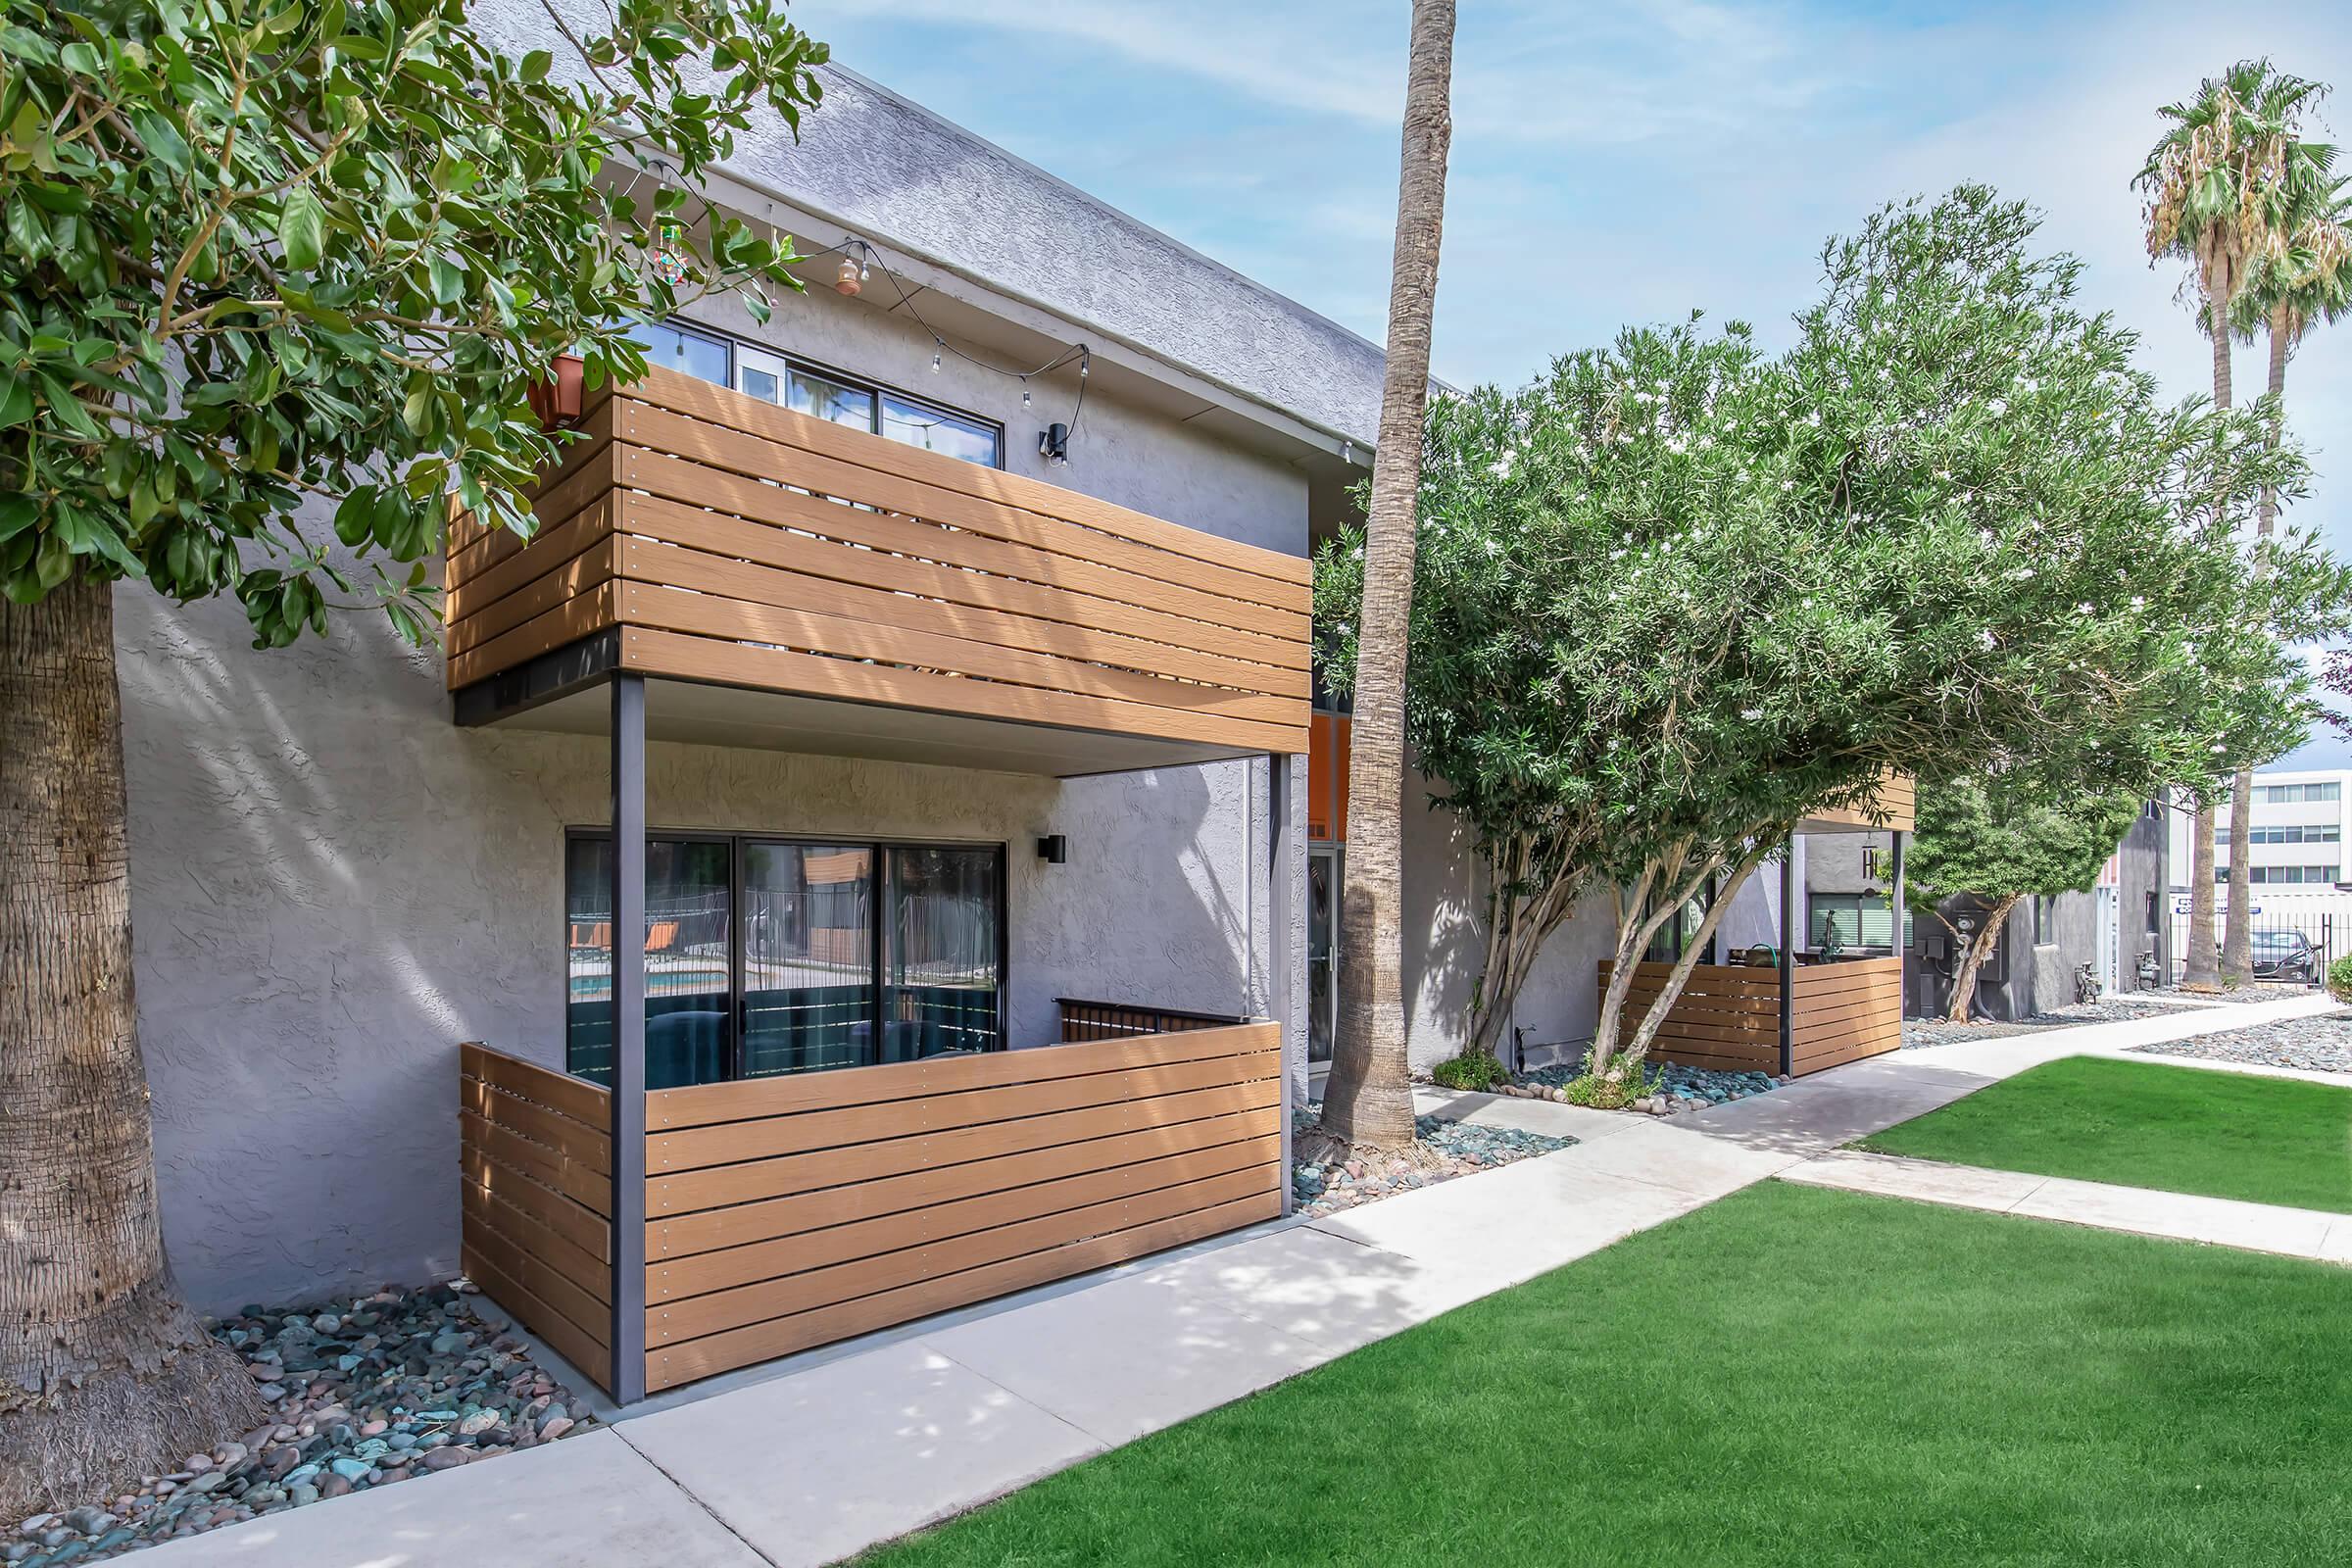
(2298, 823)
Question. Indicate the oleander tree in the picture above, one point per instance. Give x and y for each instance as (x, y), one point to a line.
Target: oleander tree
(278, 277)
(1680, 595)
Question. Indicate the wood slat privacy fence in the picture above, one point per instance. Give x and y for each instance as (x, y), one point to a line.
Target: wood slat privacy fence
(786, 1212)
(535, 1149)
(735, 542)
(1727, 1016)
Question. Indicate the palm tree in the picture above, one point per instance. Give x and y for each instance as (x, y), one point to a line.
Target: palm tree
(2213, 185)
(1369, 1099)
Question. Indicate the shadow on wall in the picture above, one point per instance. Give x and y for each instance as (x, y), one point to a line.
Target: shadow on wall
(332, 885)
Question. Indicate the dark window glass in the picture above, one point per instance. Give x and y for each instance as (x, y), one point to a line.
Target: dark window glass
(933, 430)
(941, 981)
(808, 957)
(687, 985)
(813, 992)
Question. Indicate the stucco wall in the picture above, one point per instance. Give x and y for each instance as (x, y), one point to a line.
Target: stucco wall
(332, 884)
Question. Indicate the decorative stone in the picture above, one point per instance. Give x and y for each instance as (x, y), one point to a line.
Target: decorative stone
(89, 1519)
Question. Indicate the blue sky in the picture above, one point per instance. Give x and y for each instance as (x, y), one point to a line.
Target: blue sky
(1615, 163)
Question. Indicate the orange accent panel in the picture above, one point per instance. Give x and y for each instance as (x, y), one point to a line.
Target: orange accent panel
(1327, 736)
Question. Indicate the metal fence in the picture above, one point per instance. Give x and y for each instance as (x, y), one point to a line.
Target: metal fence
(2292, 946)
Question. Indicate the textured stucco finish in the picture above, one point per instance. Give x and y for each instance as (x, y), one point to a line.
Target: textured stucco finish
(332, 885)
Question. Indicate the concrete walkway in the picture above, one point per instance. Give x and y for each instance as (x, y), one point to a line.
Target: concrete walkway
(813, 1459)
(2309, 1233)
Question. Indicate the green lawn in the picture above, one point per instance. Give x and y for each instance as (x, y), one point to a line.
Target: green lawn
(1790, 1376)
(2143, 1124)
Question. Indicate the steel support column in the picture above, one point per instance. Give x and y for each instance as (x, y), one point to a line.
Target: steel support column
(1894, 906)
(1286, 929)
(628, 1038)
(1789, 957)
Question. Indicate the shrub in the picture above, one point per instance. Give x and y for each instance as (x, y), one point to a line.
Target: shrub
(1473, 1070)
(2339, 978)
(1611, 1091)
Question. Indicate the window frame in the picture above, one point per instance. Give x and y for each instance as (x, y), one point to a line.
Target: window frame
(877, 920)
(733, 346)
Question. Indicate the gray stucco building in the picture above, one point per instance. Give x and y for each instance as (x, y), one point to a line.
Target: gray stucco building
(333, 883)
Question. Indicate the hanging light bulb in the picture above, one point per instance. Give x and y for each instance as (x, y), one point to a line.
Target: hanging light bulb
(935, 362)
(1025, 391)
(1348, 453)
(848, 278)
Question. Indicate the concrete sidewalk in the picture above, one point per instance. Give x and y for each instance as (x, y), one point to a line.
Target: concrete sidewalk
(2179, 1216)
(813, 1459)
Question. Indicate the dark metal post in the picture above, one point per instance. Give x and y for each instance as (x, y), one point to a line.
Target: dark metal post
(1894, 904)
(1286, 930)
(628, 1038)
(1789, 957)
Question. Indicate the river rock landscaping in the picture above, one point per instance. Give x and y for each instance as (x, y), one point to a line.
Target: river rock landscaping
(1674, 1086)
(1456, 1147)
(368, 1392)
(2318, 1043)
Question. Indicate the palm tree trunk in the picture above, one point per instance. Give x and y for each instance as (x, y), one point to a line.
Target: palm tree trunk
(2237, 931)
(1369, 1098)
(104, 1375)
(2198, 968)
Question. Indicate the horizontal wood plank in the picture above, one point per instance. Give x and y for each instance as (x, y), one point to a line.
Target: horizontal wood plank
(676, 1279)
(701, 400)
(557, 1168)
(667, 1366)
(668, 1323)
(704, 1105)
(724, 664)
(567, 1217)
(734, 1226)
(545, 1282)
(572, 1342)
(588, 1103)
(692, 1148)
(576, 1142)
(707, 614)
(777, 563)
(485, 1206)
(691, 1190)
(1096, 562)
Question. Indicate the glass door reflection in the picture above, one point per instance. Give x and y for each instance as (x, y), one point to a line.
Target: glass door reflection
(808, 957)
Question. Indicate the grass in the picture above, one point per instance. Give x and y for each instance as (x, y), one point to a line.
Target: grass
(1791, 1376)
(2142, 1124)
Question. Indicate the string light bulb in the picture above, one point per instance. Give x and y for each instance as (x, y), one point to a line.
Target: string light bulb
(1024, 392)
(934, 361)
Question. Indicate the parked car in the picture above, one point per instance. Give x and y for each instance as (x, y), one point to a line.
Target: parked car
(2286, 955)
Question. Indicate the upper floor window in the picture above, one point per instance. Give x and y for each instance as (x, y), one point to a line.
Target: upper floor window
(2300, 794)
(821, 393)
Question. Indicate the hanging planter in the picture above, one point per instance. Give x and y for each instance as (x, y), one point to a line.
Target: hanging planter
(557, 400)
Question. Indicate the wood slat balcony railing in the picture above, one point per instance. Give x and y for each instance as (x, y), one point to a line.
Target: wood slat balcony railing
(1727, 1016)
(733, 542)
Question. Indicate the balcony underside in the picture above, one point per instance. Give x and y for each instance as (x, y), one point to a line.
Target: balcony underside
(571, 698)
(795, 584)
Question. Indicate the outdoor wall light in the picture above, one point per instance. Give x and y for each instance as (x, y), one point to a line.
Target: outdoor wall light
(1054, 444)
(1053, 849)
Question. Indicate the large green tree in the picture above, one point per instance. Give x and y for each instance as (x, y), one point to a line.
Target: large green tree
(1680, 595)
(2005, 836)
(280, 275)
(2218, 184)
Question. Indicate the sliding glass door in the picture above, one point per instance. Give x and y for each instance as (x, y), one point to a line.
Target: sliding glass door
(767, 957)
(808, 957)
(945, 933)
